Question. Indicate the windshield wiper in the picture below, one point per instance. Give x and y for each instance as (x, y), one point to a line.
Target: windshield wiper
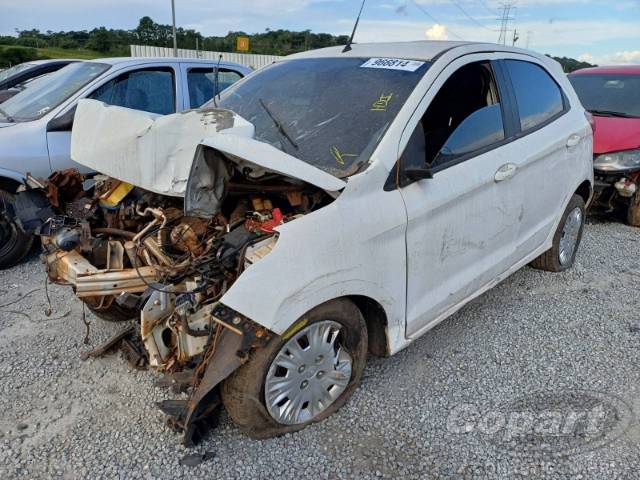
(278, 124)
(7, 116)
(611, 113)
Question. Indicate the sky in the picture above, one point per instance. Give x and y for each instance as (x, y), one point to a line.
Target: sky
(598, 31)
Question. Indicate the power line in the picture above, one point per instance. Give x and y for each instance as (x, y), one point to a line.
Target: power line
(492, 11)
(424, 10)
(469, 16)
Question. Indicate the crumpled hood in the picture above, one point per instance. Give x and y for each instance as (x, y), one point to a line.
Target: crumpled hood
(614, 134)
(147, 150)
(254, 153)
(156, 152)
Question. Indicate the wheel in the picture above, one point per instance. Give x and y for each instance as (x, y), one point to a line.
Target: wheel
(633, 214)
(301, 378)
(15, 243)
(108, 309)
(566, 240)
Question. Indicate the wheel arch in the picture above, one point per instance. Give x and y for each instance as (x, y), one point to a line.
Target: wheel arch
(377, 322)
(585, 190)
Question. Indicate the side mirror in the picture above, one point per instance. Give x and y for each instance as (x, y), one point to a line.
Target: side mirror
(63, 123)
(415, 174)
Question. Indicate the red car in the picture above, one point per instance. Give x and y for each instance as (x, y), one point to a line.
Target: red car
(612, 95)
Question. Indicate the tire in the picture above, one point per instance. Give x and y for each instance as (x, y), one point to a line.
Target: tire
(551, 260)
(633, 214)
(15, 243)
(109, 310)
(243, 393)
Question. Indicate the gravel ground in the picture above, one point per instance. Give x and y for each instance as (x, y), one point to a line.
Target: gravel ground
(449, 406)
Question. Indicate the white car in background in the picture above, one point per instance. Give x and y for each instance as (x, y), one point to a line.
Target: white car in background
(35, 124)
(402, 181)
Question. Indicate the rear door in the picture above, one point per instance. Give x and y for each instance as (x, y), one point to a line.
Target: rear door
(151, 89)
(546, 137)
(199, 80)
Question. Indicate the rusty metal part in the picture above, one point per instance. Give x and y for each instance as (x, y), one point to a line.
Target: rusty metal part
(134, 353)
(64, 187)
(188, 234)
(115, 231)
(179, 382)
(227, 351)
(88, 281)
(109, 344)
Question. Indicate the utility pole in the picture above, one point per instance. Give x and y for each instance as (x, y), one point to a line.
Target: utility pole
(529, 33)
(504, 22)
(175, 39)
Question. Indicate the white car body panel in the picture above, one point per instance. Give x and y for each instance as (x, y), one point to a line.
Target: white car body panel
(271, 159)
(150, 151)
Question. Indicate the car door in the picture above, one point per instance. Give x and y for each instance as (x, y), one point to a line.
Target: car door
(546, 138)
(199, 81)
(151, 89)
(462, 223)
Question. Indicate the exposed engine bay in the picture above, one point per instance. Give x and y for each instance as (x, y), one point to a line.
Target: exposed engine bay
(125, 250)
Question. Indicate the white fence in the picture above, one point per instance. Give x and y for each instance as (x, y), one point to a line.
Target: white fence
(246, 59)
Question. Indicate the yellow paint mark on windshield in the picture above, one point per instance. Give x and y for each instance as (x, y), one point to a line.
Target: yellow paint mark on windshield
(340, 156)
(382, 103)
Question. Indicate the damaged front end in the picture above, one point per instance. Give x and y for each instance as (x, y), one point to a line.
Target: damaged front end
(169, 261)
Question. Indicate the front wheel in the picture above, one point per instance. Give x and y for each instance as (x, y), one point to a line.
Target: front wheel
(15, 243)
(302, 377)
(566, 240)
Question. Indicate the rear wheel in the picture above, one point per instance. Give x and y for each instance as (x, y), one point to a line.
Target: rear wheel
(108, 309)
(301, 378)
(566, 240)
(633, 214)
(15, 243)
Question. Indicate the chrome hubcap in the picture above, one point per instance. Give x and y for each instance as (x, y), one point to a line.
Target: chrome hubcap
(569, 238)
(308, 374)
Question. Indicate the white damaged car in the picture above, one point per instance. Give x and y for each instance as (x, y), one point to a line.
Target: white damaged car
(354, 200)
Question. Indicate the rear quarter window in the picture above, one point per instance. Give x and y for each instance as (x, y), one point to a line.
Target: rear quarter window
(538, 96)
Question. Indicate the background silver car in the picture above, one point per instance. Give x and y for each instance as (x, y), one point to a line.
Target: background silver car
(35, 125)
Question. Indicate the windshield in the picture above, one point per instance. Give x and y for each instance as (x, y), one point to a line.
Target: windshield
(328, 112)
(50, 91)
(610, 93)
(9, 72)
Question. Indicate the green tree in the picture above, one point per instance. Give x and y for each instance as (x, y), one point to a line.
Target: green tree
(100, 40)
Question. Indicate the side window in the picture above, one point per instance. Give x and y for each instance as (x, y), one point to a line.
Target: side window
(151, 90)
(538, 96)
(464, 116)
(201, 82)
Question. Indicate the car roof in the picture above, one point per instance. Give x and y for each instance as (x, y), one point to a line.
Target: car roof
(126, 61)
(425, 50)
(52, 61)
(617, 69)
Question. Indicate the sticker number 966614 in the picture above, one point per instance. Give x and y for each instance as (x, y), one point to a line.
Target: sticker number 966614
(393, 64)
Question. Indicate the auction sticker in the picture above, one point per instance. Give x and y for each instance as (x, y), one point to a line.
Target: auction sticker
(393, 64)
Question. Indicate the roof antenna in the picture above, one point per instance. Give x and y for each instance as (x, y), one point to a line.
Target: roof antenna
(347, 47)
(216, 82)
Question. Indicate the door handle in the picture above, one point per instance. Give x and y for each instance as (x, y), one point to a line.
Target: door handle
(505, 172)
(573, 140)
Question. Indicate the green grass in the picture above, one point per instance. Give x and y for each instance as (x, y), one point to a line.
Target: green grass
(81, 53)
